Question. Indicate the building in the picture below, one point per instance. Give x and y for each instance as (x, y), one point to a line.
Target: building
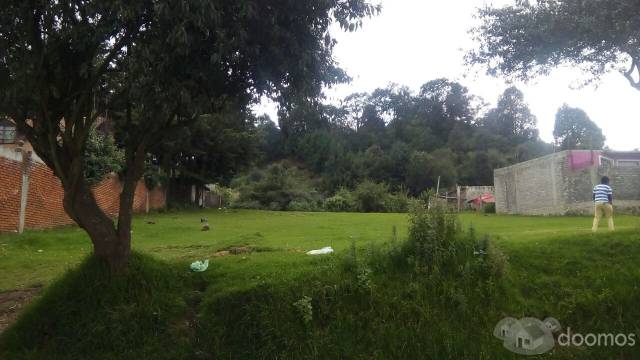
(465, 196)
(562, 183)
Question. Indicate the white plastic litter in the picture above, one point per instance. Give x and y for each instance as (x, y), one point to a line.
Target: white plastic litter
(199, 266)
(324, 250)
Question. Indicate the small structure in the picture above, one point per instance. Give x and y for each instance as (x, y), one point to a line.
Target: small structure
(465, 195)
(562, 183)
(479, 201)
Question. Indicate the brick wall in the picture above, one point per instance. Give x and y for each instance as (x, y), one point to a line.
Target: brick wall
(44, 203)
(10, 187)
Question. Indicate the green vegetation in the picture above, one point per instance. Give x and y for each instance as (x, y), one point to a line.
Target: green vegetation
(93, 315)
(283, 186)
(574, 130)
(102, 156)
(530, 38)
(277, 187)
(153, 69)
(372, 299)
(404, 139)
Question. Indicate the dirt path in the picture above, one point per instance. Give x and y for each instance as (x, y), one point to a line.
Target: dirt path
(12, 302)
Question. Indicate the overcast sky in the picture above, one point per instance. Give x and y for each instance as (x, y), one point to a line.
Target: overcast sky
(414, 41)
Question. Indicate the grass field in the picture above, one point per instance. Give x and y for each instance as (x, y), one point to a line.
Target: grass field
(37, 257)
(556, 268)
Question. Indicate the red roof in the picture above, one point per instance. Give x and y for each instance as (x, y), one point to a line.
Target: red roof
(484, 198)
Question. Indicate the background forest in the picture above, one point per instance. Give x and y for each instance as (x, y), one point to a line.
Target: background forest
(389, 141)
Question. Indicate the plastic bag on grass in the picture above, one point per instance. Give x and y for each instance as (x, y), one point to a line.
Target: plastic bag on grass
(324, 250)
(199, 266)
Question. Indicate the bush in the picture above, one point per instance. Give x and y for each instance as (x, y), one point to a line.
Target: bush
(342, 201)
(493, 261)
(371, 197)
(490, 208)
(434, 244)
(249, 204)
(276, 188)
(438, 246)
(398, 202)
(303, 205)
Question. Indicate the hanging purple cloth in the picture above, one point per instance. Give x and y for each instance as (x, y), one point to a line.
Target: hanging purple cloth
(582, 159)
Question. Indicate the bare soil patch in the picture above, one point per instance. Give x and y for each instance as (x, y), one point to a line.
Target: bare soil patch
(12, 303)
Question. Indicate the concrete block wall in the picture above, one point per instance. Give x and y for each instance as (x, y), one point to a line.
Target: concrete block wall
(44, 207)
(549, 186)
(531, 187)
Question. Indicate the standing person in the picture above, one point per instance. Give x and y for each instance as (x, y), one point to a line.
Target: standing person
(603, 200)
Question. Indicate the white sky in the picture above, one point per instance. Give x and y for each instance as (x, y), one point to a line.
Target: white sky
(414, 41)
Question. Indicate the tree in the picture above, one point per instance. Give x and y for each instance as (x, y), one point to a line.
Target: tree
(270, 142)
(531, 38)
(451, 98)
(370, 196)
(574, 130)
(211, 149)
(477, 169)
(424, 169)
(354, 106)
(276, 187)
(512, 118)
(157, 66)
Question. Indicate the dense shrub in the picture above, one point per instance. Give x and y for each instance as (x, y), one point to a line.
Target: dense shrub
(433, 241)
(276, 188)
(437, 245)
(370, 196)
(398, 202)
(342, 201)
(303, 205)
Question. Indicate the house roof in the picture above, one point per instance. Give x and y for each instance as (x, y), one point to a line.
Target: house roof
(622, 155)
(484, 198)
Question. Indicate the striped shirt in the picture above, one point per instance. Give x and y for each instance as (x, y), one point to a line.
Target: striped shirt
(601, 193)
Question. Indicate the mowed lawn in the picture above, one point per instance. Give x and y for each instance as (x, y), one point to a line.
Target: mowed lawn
(279, 240)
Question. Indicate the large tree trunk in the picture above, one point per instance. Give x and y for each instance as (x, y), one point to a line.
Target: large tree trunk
(108, 245)
(111, 243)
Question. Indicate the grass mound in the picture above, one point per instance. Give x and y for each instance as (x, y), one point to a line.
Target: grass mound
(437, 295)
(418, 299)
(90, 313)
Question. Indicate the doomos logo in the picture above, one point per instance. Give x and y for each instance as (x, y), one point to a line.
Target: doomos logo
(531, 336)
(527, 336)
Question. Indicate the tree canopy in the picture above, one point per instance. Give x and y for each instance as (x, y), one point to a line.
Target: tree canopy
(408, 139)
(155, 67)
(574, 130)
(530, 38)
